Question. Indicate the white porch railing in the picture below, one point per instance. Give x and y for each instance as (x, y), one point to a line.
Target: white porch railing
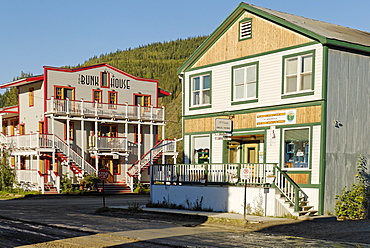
(109, 143)
(214, 173)
(36, 140)
(72, 107)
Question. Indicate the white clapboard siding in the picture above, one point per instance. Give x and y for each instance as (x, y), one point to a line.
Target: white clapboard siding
(315, 156)
(269, 83)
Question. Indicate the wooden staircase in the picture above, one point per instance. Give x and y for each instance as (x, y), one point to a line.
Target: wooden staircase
(304, 208)
(114, 188)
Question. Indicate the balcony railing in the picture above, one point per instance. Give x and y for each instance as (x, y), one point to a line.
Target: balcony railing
(214, 173)
(121, 111)
(108, 143)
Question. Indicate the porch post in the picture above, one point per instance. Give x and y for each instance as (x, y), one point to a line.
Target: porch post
(139, 147)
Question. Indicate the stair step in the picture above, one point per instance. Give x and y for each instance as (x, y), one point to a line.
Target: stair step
(114, 188)
(307, 212)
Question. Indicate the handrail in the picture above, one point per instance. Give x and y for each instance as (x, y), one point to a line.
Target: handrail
(292, 192)
(145, 159)
(74, 156)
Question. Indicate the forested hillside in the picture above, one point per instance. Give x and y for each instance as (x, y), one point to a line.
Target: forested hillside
(157, 60)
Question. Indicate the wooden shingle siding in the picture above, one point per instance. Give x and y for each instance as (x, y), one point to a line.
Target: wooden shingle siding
(310, 114)
(266, 36)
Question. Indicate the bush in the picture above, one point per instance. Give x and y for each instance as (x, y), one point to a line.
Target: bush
(354, 204)
(7, 173)
(91, 181)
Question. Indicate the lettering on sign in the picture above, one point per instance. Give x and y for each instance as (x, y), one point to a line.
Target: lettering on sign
(116, 83)
(223, 125)
(276, 118)
(103, 174)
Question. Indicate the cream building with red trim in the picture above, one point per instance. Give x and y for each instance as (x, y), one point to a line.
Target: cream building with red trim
(72, 122)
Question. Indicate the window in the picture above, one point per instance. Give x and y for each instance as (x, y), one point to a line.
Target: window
(201, 152)
(245, 82)
(201, 90)
(31, 97)
(296, 148)
(138, 138)
(64, 92)
(298, 73)
(108, 130)
(104, 79)
(143, 100)
(41, 127)
(245, 29)
(112, 98)
(70, 130)
(22, 129)
(97, 97)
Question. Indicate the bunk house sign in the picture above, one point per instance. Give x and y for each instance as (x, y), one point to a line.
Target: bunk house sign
(93, 80)
(281, 117)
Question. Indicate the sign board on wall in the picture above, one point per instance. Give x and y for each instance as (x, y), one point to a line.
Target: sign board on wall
(223, 125)
(281, 117)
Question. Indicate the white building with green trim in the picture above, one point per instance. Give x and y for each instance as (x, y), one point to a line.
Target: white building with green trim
(278, 101)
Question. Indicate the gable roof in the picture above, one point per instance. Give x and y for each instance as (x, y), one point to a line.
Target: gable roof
(323, 32)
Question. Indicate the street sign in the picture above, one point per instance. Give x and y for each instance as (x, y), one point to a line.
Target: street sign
(245, 173)
(103, 174)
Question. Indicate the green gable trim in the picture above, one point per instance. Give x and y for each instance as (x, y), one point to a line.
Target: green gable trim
(347, 45)
(220, 30)
(258, 109)
(254, 55)
(231, 20)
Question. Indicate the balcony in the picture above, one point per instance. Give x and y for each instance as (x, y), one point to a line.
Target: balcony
(94, 109)
(108, 143)
(35, 140)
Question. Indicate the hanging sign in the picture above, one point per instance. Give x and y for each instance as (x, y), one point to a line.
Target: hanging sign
(223, 125)
(281, 117)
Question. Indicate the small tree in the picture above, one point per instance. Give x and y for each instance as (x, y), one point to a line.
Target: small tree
(7, 173)
(354, 204)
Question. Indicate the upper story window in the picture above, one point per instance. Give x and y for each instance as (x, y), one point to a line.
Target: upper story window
(112, 98)
(297, 148)
(245, 29)
(298, 73)
(104, 79)
(31, 97)
(201, 90)
(64, 93)
(245, 82)
(143, 100)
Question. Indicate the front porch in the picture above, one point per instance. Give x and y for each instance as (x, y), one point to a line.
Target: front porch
(222, 186)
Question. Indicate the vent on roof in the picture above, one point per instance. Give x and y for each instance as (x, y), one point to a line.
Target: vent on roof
(245, 27)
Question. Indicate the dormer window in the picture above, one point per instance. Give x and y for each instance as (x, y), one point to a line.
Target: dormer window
(245, 29)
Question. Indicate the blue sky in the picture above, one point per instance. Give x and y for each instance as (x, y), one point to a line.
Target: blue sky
(35, 33)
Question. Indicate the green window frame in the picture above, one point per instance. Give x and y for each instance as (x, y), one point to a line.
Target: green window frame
(245, 29)
(296, 146)
(200, 90)
(245, 83)
(298, 74)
